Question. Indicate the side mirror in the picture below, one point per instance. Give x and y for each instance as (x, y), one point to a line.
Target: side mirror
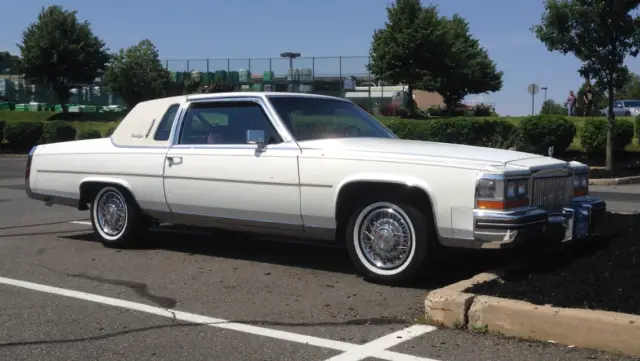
(256, 137)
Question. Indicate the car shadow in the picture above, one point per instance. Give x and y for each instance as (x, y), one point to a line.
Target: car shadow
(449, 267)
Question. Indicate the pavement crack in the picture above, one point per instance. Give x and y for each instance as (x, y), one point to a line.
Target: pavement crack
(141, 289)
(97, 337)
(374, 321)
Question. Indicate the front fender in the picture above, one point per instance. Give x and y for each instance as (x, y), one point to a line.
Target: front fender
(403, 179)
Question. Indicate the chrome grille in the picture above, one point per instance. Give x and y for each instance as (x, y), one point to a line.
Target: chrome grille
(552, 193)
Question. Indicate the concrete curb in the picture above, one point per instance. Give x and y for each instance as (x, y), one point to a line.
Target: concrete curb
(615, 181)
(601, 330)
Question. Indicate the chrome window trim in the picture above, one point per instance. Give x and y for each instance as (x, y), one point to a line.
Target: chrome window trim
(276, 123)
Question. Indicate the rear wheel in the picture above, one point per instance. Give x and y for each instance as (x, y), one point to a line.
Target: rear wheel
(116, 218)
(388, 240)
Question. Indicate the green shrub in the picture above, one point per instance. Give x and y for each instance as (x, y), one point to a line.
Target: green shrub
(2, 124)
(543, 131)
(471, 131)
(57, 131)
(23, 135)
(89, 134)
(110, 131)
(637, 125)
(594, 135)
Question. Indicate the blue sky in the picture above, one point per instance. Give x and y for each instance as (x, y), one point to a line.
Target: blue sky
(200, 29)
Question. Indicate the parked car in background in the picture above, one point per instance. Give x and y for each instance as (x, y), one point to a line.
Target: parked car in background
(311, 167)
(625, 108)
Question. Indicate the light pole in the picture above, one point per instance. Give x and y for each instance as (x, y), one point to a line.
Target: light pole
(545, 98)
(291, 56)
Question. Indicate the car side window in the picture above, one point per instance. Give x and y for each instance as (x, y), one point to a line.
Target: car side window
(164, 128)
(618, 104)
(225, 122)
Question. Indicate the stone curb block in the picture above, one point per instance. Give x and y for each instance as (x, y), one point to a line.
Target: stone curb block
(600, 330)
(615, 181)
(449, 306)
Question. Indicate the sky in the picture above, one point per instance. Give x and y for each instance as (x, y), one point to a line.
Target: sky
(259, 29)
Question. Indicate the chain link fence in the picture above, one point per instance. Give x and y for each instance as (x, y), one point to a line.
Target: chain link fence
(337, 76)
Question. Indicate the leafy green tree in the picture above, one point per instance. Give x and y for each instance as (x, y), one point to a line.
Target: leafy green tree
(409, 45)
(465, 67)
(9, 63)
(601, 34)
(136, 74)
(61, 52)
(550, 107)
(631, 89)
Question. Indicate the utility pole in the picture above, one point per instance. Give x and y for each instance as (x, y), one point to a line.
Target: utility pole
(545, 98)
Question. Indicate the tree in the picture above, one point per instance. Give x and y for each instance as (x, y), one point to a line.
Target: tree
(465, 67)
(631, 89)
(9, 64)
(61, 52)
(409, 45)
(600, 33)
(550, 107)
(136, 74)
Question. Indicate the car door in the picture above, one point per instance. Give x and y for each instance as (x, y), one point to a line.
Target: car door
(214, 176)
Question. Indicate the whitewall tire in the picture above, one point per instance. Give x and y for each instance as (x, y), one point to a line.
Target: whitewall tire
(388, 240)
(116, 218)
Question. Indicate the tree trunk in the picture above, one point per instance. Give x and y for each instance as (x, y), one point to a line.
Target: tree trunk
(611, 126)
(412, 106)
(63, 97)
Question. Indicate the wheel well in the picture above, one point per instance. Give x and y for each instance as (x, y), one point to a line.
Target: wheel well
(354, 191)
(89, 190)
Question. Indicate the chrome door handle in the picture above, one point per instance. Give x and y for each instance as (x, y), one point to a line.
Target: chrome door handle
(174, 160)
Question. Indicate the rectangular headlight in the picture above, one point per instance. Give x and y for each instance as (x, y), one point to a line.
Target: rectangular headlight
(495, 192)
(580, 184)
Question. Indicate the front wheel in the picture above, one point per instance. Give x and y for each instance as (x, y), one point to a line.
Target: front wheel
(116, 218)
(388, 241)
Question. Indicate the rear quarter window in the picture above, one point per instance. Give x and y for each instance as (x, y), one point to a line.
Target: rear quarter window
(164, 128)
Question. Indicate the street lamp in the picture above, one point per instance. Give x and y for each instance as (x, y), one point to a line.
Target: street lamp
(291, 56)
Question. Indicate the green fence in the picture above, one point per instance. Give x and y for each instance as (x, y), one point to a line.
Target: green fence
(344, 76)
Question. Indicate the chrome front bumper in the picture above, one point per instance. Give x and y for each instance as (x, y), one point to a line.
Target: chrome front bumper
(504, 229)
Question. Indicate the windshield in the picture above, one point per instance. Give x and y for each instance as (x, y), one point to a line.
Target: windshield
(632, 103)
(310, 118)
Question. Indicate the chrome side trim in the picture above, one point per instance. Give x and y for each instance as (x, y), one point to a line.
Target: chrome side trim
(121, 174)
(245, 225)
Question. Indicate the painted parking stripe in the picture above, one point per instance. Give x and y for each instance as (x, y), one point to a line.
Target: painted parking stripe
(375, 347)
(225, 324)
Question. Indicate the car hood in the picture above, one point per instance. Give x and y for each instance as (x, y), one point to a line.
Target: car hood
(404, 148)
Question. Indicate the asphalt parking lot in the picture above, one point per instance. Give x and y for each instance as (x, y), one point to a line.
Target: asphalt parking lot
(216, 296)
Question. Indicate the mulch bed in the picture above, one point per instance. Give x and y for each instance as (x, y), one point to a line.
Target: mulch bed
(602, 274)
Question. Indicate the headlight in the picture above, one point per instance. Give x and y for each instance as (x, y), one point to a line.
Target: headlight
(580, 184)
(495, 192)
(517, 189)
(486, 188)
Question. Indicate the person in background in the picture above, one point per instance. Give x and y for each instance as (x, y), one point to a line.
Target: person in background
(588, 100)
(571, 103)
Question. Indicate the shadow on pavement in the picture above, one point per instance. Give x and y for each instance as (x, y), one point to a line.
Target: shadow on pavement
(451, 266)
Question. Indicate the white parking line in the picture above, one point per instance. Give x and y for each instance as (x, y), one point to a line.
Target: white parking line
(375, 347)
(352, 352)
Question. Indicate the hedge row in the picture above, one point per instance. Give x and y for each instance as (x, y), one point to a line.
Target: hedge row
(23, 135)
(532, 134)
